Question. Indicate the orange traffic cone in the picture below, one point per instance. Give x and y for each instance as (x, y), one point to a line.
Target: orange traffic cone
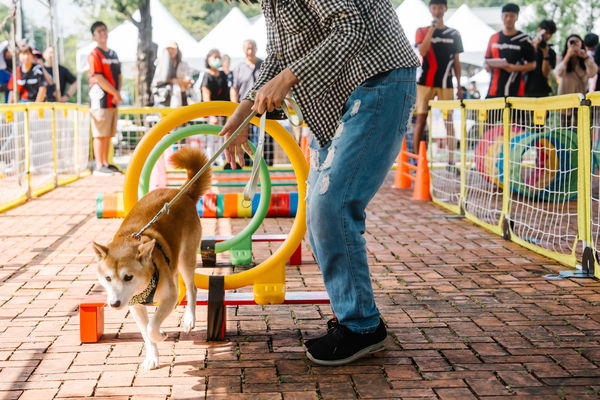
(402, 180)
(422, 179)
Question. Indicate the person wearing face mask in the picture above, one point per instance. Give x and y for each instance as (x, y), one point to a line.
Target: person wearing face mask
(214, 87)
(214, 84)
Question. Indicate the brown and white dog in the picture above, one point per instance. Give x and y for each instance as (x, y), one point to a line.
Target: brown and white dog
(138, 271)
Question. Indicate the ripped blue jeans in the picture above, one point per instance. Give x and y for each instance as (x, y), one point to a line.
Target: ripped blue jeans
(344, 176)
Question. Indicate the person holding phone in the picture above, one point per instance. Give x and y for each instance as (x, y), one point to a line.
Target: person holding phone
(439, 46)
(575, 67)
(536, 81)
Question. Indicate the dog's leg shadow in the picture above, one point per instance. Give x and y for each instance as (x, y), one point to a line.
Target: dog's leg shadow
(140, 314)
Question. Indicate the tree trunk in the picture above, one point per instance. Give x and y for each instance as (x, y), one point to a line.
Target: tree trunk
(146, 54)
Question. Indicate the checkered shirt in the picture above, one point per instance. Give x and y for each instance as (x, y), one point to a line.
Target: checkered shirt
(331, 46)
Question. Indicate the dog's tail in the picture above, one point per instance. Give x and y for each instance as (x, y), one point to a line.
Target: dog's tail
(193, 159)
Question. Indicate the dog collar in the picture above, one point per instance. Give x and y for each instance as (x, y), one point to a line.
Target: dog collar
(146, 297)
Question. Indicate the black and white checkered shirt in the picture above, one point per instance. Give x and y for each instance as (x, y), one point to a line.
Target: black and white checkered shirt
(332, 46)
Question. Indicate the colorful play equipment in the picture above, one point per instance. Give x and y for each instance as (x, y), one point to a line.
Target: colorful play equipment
(212, 205)
(403, 176)
(489, 151)
(267, 278)
(543, 165)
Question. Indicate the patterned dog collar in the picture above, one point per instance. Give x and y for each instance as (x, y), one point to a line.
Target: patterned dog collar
(146, 297)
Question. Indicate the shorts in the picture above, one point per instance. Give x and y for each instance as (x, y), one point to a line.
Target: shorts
(104, 122)
(426, 93)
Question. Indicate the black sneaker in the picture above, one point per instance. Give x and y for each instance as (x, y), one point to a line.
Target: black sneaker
(114, 168)
(331, 325)
(341, 346)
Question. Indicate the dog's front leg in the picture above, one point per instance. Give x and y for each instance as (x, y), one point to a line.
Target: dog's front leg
(165, 307)
(141, 318)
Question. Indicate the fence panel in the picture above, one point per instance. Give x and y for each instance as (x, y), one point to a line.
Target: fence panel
(42, 148)
(543, 168)
(84, 140)
(66, 141)
(484, 131)
(13, 162)
(445, 163)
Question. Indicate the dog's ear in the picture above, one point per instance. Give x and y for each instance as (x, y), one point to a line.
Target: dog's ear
(101, 251)
(145, 251)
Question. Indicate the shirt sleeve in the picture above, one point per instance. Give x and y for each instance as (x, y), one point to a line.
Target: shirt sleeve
(68, 76)
(458, 45)
(488, 52)
(528, 51)
(419, 36)
(561, 69)
(95, 64)
(319, 68)
(552, 59)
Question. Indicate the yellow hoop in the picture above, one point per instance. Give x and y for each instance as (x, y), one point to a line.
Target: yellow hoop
(268, 275)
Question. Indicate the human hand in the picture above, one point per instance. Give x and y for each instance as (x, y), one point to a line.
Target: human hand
(510, 68)
(116, 99)
(64, 98)
(459, 93)
(271, 95)
(240, 143)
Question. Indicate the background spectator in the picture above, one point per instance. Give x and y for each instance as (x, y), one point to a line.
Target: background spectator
(105, 85)
(31, 84)
(516, 49)
(165, 74)
(575, 67)
(214, 87)
(536, 81)
(439, 46)
(5, 70)
(590, 41)
(227, 70)
(244, 76)
(64, 77)
(472, 92)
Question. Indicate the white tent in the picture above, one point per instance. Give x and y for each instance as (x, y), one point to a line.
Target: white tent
(413, 14)
(228, 36)
(475, 34)
(124, 38)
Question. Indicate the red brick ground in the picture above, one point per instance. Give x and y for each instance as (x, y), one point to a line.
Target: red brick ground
(469, 315)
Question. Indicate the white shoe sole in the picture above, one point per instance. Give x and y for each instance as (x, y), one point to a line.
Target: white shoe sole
(374, 348)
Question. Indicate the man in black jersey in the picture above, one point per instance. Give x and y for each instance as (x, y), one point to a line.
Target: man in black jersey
(439, 46)
(509, 57)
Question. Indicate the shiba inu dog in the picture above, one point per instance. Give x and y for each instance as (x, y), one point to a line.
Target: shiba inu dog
(143, 270)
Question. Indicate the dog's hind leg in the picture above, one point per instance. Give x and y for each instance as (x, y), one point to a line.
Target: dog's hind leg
(187, 267)
(141, 318)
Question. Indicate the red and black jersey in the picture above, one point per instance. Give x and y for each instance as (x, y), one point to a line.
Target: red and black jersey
(28, 83)
(105, 63)
(516, 49)
(439, 60)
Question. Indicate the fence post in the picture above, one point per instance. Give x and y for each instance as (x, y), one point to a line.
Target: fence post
(54, 146)
(584, 184)
(27, 153)
(506, 120)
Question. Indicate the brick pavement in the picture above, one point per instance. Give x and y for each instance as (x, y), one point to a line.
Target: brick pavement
(469, 316)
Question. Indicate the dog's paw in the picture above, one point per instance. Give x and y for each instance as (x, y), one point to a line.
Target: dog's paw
(151, 362)
(189, 321)
(156, 334)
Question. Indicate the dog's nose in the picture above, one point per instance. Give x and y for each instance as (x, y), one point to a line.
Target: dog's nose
(116, 304)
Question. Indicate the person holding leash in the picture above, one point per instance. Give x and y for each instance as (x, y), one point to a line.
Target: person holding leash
(352, 71)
